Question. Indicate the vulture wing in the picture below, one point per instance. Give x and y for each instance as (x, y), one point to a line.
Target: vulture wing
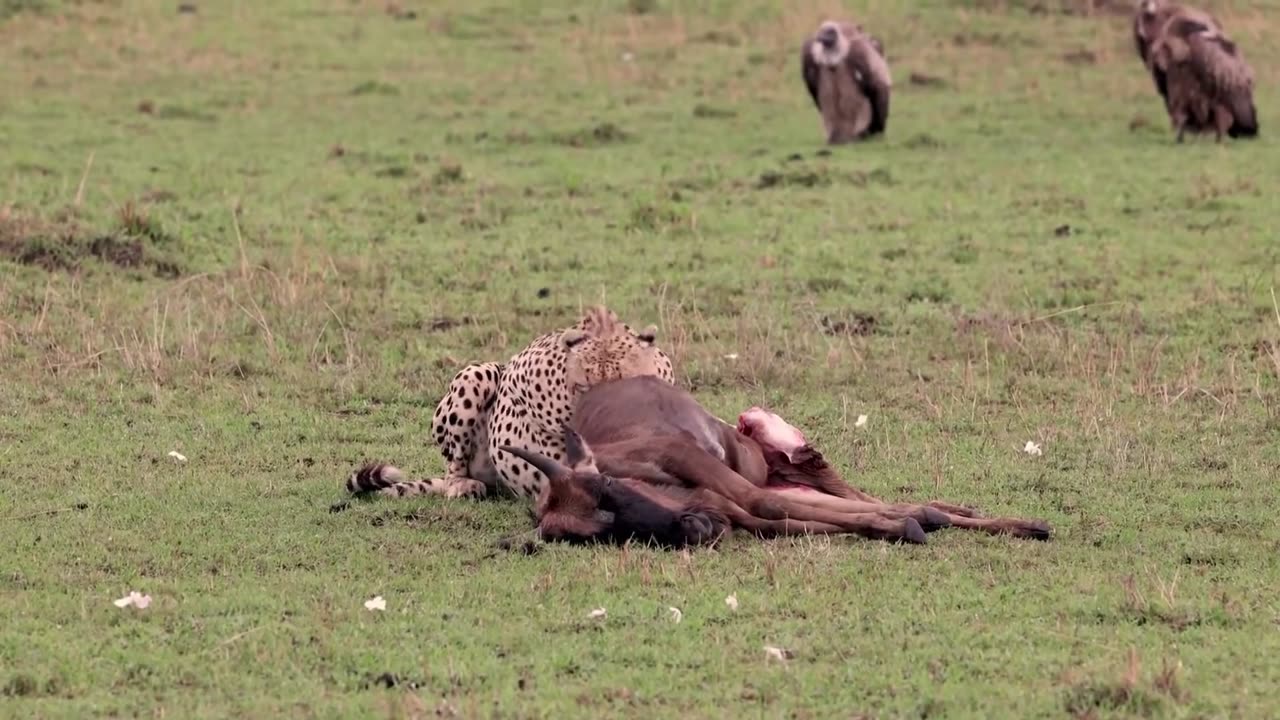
(1218, 63)
(1225, 75)
(1149, 31)
(1173, 44)
(875, 43)
(1143, 43)
(1139, 40)
(866, 63)
(811, 72)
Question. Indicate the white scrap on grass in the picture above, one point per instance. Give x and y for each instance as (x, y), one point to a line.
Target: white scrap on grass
(731, 356)
(597, 613)
(676, 615)
(177, 456)
(135, 599)
(861, 421)
(732, 602)
(628, 57)
(1032, 448)
(777, 653)
(375, 603)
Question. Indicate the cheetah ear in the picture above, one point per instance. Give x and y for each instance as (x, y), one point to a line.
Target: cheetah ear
(578, 453)
(649, 334)
(573, 336)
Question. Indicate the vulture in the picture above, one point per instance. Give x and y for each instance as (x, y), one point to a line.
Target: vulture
(848, 79)
(1201, 75)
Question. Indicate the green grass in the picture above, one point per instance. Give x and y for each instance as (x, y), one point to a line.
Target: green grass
(266, 234)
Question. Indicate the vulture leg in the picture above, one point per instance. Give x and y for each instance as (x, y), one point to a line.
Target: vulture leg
(1180, 122)
(1222, 121)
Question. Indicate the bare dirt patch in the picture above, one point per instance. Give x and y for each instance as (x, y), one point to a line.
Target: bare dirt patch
(855, 324)
(595, 136)
(63, 244)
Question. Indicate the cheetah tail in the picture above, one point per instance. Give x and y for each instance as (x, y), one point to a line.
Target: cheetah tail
(387, 479)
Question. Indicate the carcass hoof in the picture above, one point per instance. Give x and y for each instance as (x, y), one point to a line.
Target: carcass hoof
(912, 532)
(1035, 530)
(934, 520)
(697, 529)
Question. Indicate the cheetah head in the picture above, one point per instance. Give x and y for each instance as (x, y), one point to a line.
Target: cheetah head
(601, 349)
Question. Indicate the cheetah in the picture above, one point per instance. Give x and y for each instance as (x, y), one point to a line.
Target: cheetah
(524, 404)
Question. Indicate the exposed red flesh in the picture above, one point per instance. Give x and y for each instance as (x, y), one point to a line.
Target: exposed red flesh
(787, 453)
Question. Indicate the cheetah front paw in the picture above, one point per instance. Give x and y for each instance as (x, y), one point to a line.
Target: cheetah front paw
(466, 488)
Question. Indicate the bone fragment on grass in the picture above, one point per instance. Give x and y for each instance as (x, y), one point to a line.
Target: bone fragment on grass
(1032, 448)
(861, 421)
(777, 653)
(375, 603)
(732, 602)
(676, 615)
(597, 613)
(177, 456)
(135, 599)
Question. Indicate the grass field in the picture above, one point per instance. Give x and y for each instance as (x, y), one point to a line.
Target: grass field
(265, 235)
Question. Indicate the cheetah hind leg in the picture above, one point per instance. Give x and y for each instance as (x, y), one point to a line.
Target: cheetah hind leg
(460, 428)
